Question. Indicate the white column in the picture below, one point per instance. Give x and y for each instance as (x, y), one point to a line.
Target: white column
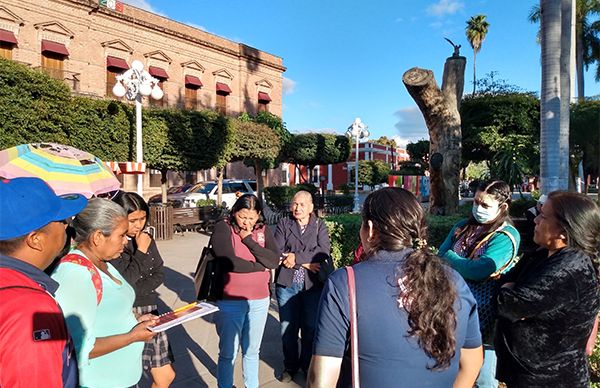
(139, 155)
(329, 177)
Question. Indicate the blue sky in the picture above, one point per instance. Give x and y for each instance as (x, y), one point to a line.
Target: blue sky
(345, 58)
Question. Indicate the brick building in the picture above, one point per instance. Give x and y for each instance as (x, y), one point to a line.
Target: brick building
(332, 176)
(87, 44)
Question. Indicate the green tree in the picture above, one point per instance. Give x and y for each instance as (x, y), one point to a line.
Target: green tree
(585, 136)
(313, 149)
(383, 140)
(254, 142)
(365, 172)
(492, 122)
(32, 106)
(476, 31)
(419, 152)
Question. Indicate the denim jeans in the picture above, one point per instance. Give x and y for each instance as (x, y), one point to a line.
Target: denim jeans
(240, 323)
(297, 313)
(487, 373)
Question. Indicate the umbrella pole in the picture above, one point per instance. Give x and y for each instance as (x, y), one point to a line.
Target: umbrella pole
(138, 141)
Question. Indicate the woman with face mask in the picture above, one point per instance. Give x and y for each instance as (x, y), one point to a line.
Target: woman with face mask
(481, 248)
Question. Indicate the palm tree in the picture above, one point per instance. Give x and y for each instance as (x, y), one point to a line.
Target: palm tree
(477, 29)
(587, 39)
(553, 152)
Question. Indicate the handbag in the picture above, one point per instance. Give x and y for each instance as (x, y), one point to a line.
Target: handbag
(208, 278)
(353, 327)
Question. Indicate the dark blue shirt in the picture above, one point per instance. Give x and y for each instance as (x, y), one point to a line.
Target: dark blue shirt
(388, 358)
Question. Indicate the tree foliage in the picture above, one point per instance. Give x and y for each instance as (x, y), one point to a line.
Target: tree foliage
(501, 122)
(585, 135)
(312, 149)
(419, 152)
(384, 140)
(372, 172)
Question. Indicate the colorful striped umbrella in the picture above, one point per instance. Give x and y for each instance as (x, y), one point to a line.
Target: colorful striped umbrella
(66, 169)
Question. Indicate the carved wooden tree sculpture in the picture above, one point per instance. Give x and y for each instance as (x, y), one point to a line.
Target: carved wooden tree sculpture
(440, 110)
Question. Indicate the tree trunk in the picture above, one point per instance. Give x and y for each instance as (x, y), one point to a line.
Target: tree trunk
(565, 93)
(550, 97)
(440, 108)
(163, 185)
(474, 71)
(259, 178)
(579, 65)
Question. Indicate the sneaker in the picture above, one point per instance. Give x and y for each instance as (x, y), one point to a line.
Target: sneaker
(287, 376)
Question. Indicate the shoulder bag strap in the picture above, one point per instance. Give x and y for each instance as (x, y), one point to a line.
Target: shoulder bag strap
(512, 260)
(353, 327)
(84, 262)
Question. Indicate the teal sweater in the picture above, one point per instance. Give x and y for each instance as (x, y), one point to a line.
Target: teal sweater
(497, 251)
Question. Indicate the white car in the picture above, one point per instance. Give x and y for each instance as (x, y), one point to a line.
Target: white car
(232, 189)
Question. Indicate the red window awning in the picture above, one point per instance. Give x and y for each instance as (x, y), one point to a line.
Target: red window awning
(116, 63)
(7, 37)
(192, 80)
(263, 97)
(223, 88)
(158, 72)
(54, 47)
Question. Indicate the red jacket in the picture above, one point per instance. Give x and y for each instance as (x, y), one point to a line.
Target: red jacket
(35, 347)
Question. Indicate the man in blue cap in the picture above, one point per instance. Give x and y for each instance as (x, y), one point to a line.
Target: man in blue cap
(35, 347)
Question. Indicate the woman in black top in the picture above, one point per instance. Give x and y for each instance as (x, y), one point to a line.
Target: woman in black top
(142, 266)
(548, 304)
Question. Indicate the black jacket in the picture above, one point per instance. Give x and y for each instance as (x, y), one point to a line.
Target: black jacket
(312, 246)
(545, 321)
(143, 271)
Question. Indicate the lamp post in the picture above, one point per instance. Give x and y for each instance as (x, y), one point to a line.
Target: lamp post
(134, 84)
(358, 130)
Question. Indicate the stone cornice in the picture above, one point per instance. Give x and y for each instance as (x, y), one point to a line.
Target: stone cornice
(241, 53)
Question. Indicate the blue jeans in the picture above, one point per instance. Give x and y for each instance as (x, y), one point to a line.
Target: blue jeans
(487, 373)
(240, 323)
(297, 312)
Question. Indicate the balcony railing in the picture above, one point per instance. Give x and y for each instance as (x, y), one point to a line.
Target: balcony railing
(69, 77)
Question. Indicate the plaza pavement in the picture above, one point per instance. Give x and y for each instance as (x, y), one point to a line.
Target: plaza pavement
(195, 343)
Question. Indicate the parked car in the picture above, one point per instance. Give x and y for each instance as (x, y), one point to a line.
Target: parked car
(171, 191)
(232, 189)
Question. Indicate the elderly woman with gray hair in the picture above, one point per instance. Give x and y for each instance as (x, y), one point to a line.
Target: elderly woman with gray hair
(97, 301)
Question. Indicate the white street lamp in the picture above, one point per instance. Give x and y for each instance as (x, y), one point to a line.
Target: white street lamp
(134, 84)
(358, 130)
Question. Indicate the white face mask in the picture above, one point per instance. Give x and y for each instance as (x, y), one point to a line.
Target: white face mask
(483, 215)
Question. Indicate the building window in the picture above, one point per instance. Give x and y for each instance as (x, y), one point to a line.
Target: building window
(114, 67)
(263, 102)
(191, 97)
(192, 84)
(6, 50)
(7, 42)
(222, 103)
(223, 91)
(53, 58)
(162, 101)
(161, 75)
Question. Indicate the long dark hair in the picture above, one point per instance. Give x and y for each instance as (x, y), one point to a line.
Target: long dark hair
(499, 191)
(250, 202)
(428, 293)
(579, 217)
(132, 202)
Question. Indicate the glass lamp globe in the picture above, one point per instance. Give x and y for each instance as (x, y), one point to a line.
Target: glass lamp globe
(137, 65)
(157, 93)
(145, 89)
(119, 90)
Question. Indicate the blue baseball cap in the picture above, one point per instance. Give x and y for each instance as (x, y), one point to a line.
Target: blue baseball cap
(28, 204)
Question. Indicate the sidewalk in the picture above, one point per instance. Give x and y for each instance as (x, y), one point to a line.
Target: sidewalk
(195, 343)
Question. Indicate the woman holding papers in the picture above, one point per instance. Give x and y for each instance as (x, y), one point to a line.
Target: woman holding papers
(246, 251)
(142, 266)
(97, 301)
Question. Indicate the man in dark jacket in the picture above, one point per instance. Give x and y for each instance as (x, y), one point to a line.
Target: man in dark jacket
(36, 349)
(304, 241)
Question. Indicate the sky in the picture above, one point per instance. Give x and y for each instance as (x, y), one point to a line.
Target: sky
(345, 58)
